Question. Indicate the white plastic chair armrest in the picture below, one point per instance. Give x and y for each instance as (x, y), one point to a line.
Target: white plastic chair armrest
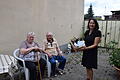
(25, 69)
(16, 57)
(48, 64)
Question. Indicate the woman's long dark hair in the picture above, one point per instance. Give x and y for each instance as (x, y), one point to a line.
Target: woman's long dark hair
(96, 24)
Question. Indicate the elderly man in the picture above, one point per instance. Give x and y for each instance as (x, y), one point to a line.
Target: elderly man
(29, 51)
(52, 48)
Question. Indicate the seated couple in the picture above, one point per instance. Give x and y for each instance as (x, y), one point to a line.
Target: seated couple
(30, 52)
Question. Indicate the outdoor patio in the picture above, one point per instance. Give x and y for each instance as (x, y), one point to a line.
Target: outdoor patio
(75, 71)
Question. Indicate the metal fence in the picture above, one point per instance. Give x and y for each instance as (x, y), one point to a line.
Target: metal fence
(110, 31)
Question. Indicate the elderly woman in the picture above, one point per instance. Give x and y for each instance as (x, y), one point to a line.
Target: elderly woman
(29, 51)
(52, 48)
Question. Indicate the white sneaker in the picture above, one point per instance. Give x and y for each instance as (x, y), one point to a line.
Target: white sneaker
(60, 72)
(55, 75)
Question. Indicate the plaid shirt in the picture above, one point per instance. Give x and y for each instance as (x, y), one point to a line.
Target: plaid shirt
(52, 48)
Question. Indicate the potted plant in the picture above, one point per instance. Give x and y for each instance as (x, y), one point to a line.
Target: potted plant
(114, 54)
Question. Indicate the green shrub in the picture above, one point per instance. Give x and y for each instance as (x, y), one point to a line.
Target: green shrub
(114, 53)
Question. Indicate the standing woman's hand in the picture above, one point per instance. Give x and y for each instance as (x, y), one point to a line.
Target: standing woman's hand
(82, 48)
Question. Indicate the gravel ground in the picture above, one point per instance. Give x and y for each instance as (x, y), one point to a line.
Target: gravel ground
(75, 71)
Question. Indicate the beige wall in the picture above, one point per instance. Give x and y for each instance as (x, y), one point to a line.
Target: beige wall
(17, 17)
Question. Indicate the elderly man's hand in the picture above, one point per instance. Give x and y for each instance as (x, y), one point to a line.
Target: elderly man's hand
(50, 55)
(60, 53)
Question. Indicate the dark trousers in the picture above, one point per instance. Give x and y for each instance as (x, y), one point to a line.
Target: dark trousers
(32, 68)
(61, 60)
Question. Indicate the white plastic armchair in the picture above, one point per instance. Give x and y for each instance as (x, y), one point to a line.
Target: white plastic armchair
(16, 54)
(44, 56)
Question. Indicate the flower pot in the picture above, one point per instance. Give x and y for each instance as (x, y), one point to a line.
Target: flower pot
(118, 69)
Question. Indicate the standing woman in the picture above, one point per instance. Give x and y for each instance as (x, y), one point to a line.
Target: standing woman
(92, 39)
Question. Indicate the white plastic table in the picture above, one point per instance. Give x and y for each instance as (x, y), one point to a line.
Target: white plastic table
(7, 64)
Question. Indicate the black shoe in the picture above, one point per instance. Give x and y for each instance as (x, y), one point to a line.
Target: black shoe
(53, 75)
(59, 71)
(87, 79)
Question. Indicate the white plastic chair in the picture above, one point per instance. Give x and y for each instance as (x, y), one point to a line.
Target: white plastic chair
(16, 54)
(45, 56)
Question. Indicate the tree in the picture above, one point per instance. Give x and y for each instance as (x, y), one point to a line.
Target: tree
(89, 14)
